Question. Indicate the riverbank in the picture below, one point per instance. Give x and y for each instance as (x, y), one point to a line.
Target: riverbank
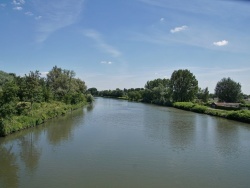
(237, 115)
(40, 113)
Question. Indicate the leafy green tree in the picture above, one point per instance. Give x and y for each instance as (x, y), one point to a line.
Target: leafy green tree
(155, 83)
(9, 99)
(93, 91)
(184, 86)
(5, 77)
(203, 94)
(227, 90)
(134, 95)
(157, 91)
(32, 88)
(63, 85)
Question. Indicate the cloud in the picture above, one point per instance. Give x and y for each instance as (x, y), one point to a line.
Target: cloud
(106, 62)
(18, 8)
(178, 29)
(101, 43)
(2, 5)
(56, 15)
(18, 2)
(38, 17)
(29, 13)
(162, 19)
(221, 43)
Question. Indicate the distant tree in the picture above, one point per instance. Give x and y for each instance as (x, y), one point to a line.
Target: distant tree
(184, 86)
(157, 82)
(203, 94)
(228, 90)
(93, 91)
(134, 95)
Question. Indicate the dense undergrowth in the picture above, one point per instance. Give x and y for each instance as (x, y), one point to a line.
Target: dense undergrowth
(40, 113)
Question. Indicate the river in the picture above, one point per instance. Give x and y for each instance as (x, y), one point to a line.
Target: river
(121, 144)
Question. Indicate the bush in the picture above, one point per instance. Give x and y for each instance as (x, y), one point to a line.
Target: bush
(35, 117)
(199, 108)
(240, 115)
(183, 105)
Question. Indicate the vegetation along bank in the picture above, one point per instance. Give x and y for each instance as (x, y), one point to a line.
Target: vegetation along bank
(182, 91)
(30, 100)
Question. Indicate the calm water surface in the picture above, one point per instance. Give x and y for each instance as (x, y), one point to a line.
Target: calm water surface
(116, 144)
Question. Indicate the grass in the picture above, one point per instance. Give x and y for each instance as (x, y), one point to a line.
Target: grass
(238, 115)
(41, 112)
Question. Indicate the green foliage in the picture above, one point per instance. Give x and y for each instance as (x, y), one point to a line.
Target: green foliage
(89, 98)
(184, 105)
(5, 77)
(22, 98)
(228, 90)
(240, 115)
(156, 83)
(40, 113)
(134, 95)
(93, 91)
(203, 95)
(184, 86)
(8, 100)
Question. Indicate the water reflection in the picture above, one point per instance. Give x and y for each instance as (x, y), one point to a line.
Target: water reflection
(62, 128)
(227, 138)
(24, 148)
(170, 126)
(9, 168)
(30, 152)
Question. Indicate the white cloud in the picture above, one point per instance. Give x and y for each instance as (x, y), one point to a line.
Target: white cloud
(106, 62)
(56, 15)
(18, 8)
(221, 43)
(101, 44)
(178, 29)
(38, 17)
(18, 2)
(29, 13)
(162, 19)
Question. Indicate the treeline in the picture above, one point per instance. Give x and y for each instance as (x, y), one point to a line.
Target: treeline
(181, 87)
(31, 99)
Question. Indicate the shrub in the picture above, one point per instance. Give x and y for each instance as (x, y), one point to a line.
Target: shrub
(183, 105)
(199, 108)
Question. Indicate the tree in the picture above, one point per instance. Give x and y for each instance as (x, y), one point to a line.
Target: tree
(203, 94)
(64, 86)
(32, 88)
(228, 90)
(184, 86)
(157, 82)
(93, 91)
(9, 99)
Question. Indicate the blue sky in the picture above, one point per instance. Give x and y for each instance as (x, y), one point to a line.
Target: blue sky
(123, 44)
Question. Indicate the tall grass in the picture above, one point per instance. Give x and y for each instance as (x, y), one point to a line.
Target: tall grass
(40, 113)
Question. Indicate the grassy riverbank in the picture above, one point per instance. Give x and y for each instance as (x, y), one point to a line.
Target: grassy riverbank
(237, 115)
(40, 113)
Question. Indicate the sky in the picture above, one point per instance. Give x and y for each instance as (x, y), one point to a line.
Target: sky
(123, 44)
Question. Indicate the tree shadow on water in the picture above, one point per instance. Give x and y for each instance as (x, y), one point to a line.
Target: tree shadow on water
(8, 168)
